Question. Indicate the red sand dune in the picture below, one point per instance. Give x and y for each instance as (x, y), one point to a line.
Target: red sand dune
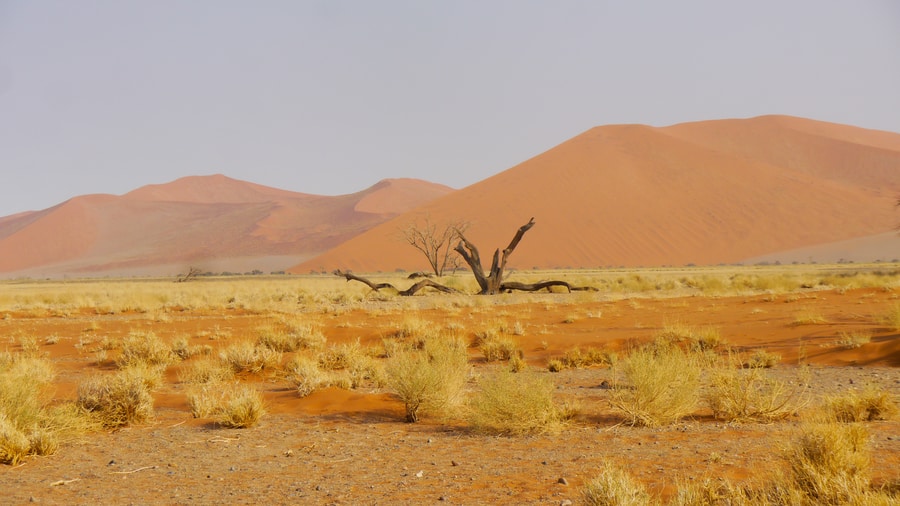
(706, 193)
(201, 221)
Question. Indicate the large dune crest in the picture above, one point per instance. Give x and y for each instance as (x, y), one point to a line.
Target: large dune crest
(696, 193)
(211, 222)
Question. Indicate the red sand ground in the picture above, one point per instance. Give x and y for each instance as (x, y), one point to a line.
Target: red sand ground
(351, 447)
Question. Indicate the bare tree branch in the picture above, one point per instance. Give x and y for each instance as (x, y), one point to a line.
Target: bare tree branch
(425, 283)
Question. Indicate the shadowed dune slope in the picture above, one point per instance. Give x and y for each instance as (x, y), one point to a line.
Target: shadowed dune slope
(706, 193)
(193, 221)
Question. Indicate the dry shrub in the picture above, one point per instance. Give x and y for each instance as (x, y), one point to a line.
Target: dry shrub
(891, 318)
(851, 340)
(496, 347)
(577, 359)
(247, 357)
(119, 399)
(516, 404)
(29, 424)
(615, 487)
(241, 407)
(761, 359)
(294, 337)
(430, 380)
(306, 376)
(144, 348)
(349, 366)
(663, 385)
(829, 462)
(742, 395)
(204, 371)
(182, 348)
(204, 399)
(873, 403)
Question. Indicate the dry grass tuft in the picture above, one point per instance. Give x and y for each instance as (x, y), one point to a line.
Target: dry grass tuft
(873, 403)
(740, 395)
(761, 359)
(241, 407)
(430, 380)
(516, 404)
(855, 339)
(829, 462)
(294, 337)
(615, 487)
(244, 356)
(305, 375)
(145, 348)
(206, 370)
(891, 318)
(496, 347)
(119, 399)
(663, 385)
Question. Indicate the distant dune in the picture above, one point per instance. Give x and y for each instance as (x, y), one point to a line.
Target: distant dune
(210, 222)
(697, 193)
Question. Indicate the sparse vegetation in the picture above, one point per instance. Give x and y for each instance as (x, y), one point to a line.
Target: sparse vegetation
(117, 399)
(514, 404)
(872, 403)
(430, 380)
(241, 407)
(614, 486)
(244, 356)
(662, 385)
(751, 394)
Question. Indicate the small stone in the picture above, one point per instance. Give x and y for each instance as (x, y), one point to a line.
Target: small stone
(429, 441)
(289, 453)
(454, 463)
(232, 468)
(33, 499)
(420, 474)
(565, 502)
(562, 481)
(442, 498)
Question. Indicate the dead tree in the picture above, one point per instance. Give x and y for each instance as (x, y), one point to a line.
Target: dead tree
(192, 273)
(434, 242)
(490, 284)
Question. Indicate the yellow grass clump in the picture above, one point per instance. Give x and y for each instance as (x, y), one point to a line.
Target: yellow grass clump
(429, 380)
(662, 385)
(118, 399)
(515, 404)
(614, 486)
(750, 394)
(872, 403)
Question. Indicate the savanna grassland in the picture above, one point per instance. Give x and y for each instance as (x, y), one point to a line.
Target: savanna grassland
(727, 385)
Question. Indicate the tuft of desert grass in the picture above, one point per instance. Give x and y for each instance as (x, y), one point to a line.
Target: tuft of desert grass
(430, 380)
(891, 317)
(304, 373)
(872, 403)
(205, 370)
(761, 359)
(809, 317)
(241, 407)
(662, 385)
(497, 347)
(182, 348)
(515, 404)
(349, 365)
(245, 356)
(739, 394)
(118, 399)
(614, 486)
(139, 347)
(829, 462)
(292, 337)
(576, 358)
(854, 339)
(29, 424)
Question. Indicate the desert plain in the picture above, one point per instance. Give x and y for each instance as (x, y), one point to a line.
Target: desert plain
(818, 332)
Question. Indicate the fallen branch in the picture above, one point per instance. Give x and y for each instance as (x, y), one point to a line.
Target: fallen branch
(63, 482)
(425, 283)
(134, 470)
(508, 286)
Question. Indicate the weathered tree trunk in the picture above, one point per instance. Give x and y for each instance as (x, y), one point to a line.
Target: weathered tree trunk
(490, 284)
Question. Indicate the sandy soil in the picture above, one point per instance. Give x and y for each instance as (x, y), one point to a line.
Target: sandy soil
(352, 447)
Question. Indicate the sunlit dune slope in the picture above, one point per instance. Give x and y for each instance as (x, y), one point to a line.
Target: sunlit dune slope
(194, 221)
(705, 193)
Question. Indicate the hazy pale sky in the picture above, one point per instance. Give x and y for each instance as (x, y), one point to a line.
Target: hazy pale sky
(331, 96)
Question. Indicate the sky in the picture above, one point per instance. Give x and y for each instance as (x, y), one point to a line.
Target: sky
(329, 97)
